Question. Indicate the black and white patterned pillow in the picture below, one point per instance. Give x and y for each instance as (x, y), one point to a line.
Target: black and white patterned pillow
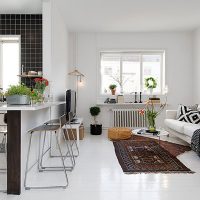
(192, 107)
(189, 115)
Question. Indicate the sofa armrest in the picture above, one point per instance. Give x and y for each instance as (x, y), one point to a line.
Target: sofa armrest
(171, 114)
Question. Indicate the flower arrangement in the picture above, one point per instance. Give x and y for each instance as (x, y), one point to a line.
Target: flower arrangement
(41, 84)
(37, 94)
(152, 113)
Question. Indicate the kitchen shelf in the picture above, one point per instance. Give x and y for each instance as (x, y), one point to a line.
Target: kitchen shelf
(30, 76)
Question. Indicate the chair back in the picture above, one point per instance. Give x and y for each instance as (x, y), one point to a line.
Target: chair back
(63, 120)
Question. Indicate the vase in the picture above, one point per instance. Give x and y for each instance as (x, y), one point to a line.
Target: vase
(151, 123)
(40, 96)
(150, 91)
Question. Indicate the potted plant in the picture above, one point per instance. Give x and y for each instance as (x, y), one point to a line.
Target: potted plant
(112, 87)
(150, 83)
(18, 95)
(95, 129)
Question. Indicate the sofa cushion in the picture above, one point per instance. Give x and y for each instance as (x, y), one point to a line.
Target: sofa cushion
(190, 128)
(189, 115)
(175, 125)
(192, 107)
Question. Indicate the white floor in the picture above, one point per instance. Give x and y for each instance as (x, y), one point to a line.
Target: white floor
(98, 176)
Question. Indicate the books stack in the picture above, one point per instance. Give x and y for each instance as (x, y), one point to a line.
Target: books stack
(154, 99)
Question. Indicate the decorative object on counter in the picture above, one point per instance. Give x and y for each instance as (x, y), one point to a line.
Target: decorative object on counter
(135, 97)
(150, 84)
(40, 85)
(113, 87)
(18, 95)
(32, 73)
(140, 97)
(120, 99)
(152, 113)
(95, 128)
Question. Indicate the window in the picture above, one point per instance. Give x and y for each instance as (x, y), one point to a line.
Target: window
(9, 61)
(129, 70)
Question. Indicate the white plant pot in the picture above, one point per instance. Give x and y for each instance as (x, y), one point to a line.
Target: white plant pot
(150, 91)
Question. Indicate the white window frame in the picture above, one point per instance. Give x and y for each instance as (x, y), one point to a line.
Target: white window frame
(141, 52)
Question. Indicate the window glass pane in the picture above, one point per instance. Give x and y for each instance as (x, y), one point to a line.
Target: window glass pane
(110, 72)
(10, 64)
(152, 68)
(124, 70)
(131, 73)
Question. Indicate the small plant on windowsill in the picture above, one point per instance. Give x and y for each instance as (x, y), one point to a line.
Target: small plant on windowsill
(113, 87)
(95, 128)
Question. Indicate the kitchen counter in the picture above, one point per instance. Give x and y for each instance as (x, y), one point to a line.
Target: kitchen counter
(20, 119)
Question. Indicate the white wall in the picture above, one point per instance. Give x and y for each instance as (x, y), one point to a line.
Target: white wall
(179, 64)
(55, 50)
(196, 43)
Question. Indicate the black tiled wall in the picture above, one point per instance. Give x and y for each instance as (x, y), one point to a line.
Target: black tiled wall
(30, 29)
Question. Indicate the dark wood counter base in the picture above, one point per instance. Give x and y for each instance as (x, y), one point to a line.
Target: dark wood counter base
(14, 152)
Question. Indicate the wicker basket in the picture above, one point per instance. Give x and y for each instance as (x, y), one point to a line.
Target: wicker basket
(119, 133)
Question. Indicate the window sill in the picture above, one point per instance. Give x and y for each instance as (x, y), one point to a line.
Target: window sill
(124, 104)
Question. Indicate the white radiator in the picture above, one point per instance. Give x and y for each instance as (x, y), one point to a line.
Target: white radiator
(129, 118)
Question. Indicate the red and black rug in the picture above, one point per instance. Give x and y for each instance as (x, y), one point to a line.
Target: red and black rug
(145, 155)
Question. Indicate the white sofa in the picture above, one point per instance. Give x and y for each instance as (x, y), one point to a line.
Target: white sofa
(182, 130)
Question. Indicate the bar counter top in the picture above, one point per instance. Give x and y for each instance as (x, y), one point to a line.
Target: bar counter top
(39, 106)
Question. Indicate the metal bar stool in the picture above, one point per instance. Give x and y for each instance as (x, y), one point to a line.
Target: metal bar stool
(69, 153)
(73, 141)
(43, 128)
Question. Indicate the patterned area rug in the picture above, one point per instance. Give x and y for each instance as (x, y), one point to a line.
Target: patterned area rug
(141, 154)
(173, 148)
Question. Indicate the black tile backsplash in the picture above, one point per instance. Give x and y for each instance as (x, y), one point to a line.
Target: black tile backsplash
(29, 26)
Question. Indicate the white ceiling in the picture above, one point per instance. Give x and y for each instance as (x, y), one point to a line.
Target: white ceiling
(20, 6)
(117, 15)
(130, 15)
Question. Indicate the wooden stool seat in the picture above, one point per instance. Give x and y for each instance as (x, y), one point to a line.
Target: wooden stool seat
(119, 133)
